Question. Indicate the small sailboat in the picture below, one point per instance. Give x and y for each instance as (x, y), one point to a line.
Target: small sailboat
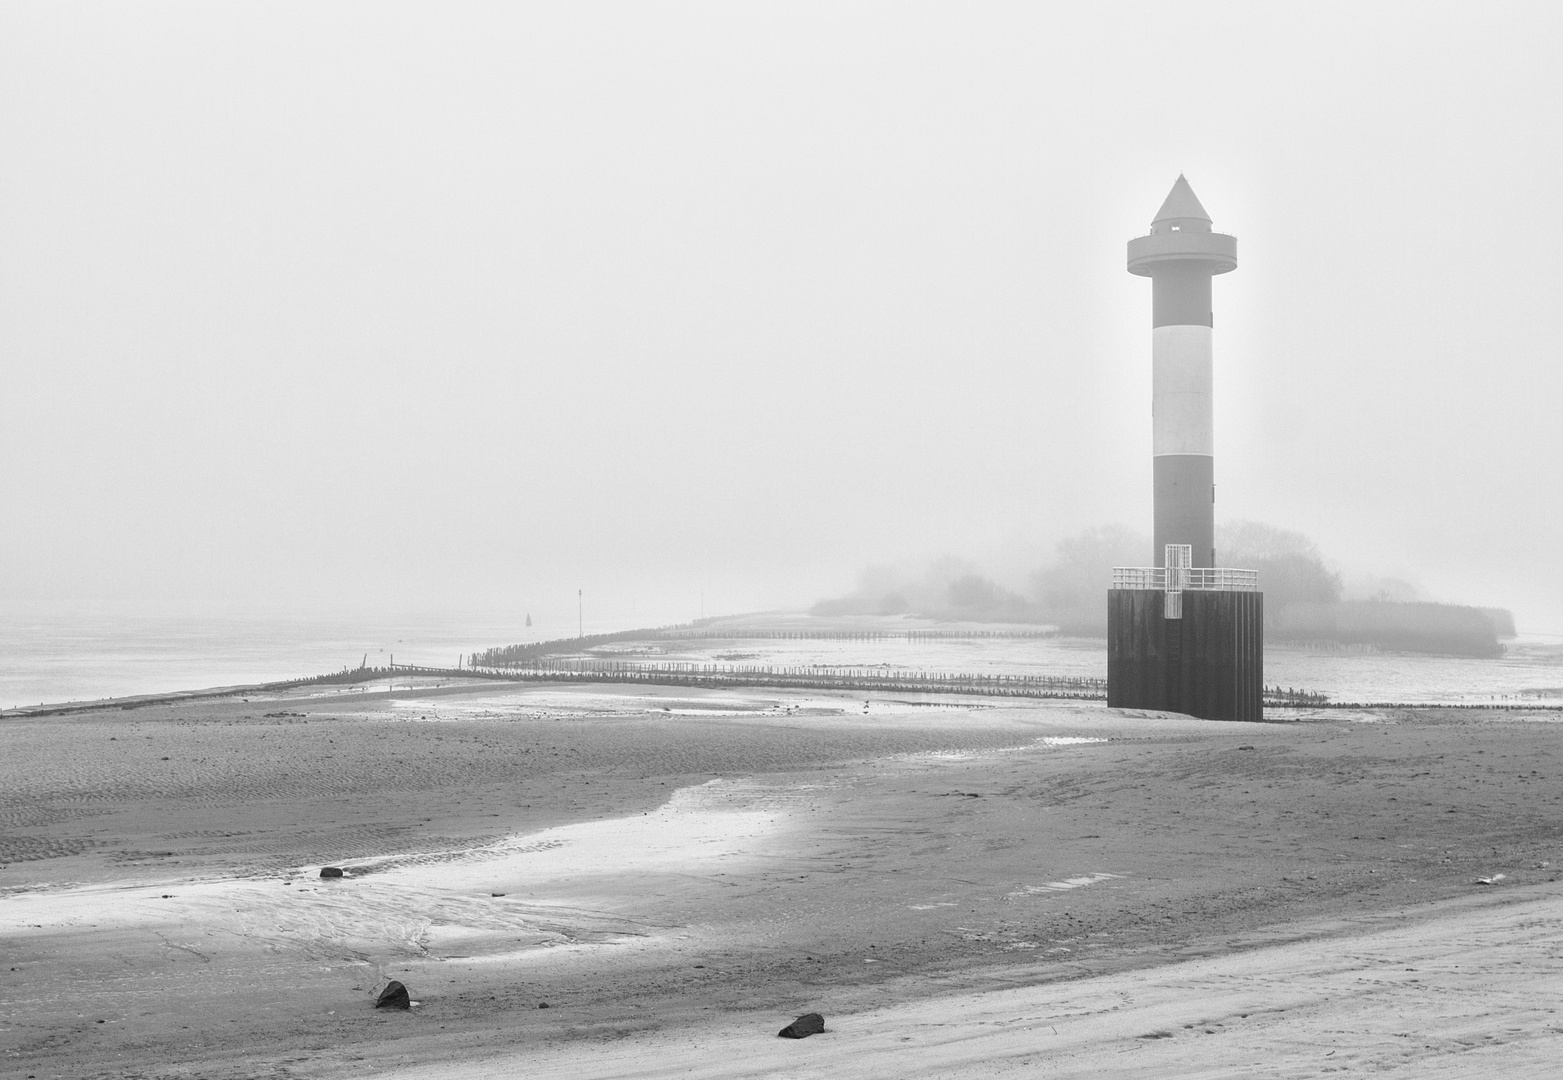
(529, 618)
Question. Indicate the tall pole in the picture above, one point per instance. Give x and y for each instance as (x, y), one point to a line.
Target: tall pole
(580, 615)
(1180, 256)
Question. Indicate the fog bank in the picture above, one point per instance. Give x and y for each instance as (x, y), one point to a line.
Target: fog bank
(464, 308)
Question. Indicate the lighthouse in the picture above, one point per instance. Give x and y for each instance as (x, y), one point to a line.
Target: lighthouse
(1184, 635)
(1180, 256)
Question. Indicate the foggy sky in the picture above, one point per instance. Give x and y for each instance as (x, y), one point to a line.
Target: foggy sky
(465, 306)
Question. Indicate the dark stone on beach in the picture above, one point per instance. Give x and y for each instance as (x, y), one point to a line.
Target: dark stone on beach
(804, 1026)
(330, 871)
(394, 996)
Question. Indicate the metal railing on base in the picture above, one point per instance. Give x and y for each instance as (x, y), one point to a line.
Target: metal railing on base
(1191, 578)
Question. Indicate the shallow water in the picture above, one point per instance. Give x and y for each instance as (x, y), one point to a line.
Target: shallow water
(1530, 671)
(84, 659)
(48, 660)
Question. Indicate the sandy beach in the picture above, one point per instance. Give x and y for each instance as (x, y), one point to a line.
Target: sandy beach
(963, 887)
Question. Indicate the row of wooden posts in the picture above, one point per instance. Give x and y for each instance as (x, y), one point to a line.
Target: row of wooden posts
(683, 673)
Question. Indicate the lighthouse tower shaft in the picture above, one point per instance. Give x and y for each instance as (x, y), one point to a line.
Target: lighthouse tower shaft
(1180, 256)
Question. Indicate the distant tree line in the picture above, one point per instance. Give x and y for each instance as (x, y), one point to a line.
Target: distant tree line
(1304, 599)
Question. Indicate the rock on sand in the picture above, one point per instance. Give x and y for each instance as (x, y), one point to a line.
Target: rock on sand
(394, 996)
(804, 1026)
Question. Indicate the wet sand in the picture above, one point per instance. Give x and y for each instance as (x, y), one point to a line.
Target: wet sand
(962, 887)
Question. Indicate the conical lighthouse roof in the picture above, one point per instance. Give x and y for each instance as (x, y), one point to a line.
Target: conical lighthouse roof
(1180, 233)
(1181, 203)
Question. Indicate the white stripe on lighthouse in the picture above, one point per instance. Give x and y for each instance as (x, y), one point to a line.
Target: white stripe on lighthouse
(1180, 390)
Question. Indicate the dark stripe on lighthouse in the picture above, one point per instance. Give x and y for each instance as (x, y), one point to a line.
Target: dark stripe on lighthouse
(1185, 491)
(1180, 295)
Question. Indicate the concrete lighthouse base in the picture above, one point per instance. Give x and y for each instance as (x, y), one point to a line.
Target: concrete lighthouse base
(1207, 663)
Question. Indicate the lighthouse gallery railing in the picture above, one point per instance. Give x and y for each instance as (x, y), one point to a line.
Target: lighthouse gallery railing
(1190, 578)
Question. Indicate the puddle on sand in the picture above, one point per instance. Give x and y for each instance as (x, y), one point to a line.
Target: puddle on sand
(975, 755)
(1065, 885)
(459, 902)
